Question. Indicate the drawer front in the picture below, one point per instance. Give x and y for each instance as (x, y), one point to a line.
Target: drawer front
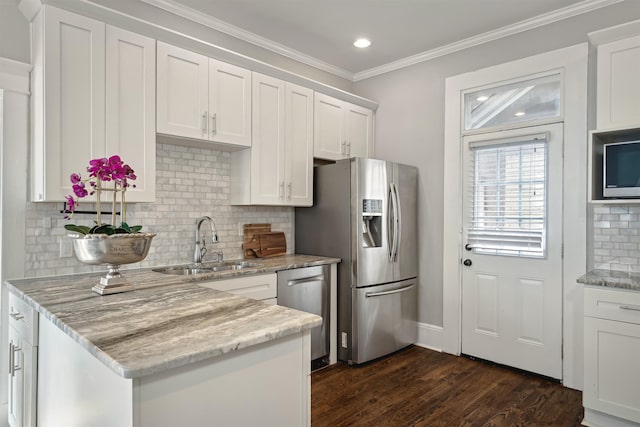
(259, 287)
(24, 318)
(612, 304)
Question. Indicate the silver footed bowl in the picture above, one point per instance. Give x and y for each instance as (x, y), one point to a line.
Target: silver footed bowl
(115, 249)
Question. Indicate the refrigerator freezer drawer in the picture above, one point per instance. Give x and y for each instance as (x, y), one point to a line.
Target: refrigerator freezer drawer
(385, 319)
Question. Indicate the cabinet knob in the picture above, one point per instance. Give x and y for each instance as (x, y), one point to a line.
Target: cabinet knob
(467, 262)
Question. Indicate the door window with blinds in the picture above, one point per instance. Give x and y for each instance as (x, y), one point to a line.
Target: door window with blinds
(507, 197)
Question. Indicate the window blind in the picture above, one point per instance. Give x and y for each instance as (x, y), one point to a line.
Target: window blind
(508, 197)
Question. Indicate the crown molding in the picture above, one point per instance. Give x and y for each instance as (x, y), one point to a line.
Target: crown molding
(622, 31)
(519, 27)
(247, 36)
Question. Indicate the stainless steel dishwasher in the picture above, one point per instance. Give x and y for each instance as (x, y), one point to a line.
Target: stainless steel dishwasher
(307, 289)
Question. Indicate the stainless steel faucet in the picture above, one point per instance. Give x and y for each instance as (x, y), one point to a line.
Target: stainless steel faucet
(201, 247)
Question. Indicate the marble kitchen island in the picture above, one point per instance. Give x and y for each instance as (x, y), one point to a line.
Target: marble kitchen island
(169, 353)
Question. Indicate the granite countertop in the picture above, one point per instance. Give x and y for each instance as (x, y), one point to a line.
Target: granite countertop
(612, 279)
(168, 321)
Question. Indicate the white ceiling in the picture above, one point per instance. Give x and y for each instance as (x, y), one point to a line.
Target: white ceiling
(321, 32)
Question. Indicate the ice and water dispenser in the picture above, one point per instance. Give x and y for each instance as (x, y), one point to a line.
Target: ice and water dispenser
(371, 223)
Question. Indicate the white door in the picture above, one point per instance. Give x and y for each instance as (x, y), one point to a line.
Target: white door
(328, 128)
(359, 129)
(130, 107)
(299, 145)
(183, 92)
(512, 233)
(229, 104)
(267, 152)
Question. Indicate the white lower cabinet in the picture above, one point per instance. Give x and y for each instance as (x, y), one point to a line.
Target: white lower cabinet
(262, 287)
(611, 354)
(23, 356)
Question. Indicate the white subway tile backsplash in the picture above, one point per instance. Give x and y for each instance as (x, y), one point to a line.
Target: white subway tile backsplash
(190, 182)
(616, 237)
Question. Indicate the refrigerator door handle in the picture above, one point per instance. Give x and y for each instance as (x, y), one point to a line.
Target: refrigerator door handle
(391, 221)
(398, 223)
(395, 291)
(393, 196)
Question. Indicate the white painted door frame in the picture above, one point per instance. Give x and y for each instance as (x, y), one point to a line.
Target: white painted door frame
(572, 63)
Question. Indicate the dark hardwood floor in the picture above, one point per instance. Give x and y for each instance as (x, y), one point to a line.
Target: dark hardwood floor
(420, 387)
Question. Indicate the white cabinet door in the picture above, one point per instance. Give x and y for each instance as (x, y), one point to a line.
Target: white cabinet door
(268, 149)
(183, 92)
(278, 170)
(611, 350)
(359, 130)
(618, 87)
(328, 140)
(299, 145)
(69, 107)
(93, 95)
(202, 98)
(341, 129)
(229, 104)
(15, 406)
(130, 105)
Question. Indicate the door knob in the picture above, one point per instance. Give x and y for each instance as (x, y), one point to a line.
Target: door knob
(467, 262)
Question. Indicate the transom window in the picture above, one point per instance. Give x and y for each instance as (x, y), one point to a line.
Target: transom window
(508, 197)
(524, 101)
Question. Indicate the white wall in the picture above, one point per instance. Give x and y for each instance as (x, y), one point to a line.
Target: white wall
(410, 122)
(14, 32)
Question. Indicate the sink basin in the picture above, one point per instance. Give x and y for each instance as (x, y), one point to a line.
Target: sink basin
(185, 270)
(231, 265)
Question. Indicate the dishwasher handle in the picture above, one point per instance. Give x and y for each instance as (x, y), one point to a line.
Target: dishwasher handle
(318, 278)
(395, 291)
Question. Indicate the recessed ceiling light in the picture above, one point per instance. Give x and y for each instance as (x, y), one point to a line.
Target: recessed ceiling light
(362, 43)
(482, 98)
(519, 114)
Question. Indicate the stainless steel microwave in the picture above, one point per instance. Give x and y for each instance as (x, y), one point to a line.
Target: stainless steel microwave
(621, 169)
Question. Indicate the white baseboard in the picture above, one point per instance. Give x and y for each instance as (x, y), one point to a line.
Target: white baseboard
(430, 336)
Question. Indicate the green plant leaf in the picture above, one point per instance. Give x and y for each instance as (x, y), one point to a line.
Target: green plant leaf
(103, 229)
(82, 229)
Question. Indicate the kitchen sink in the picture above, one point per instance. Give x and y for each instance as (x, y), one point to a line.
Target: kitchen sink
(186, 270)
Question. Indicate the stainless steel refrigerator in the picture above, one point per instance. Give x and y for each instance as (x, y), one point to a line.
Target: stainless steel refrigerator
(365, 212)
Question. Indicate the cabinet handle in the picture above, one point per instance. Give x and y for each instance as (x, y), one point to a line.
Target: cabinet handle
(16, 367)
(16, 315)
(11, 359)
(214, 124)
(289, 191)
(204, 122)
(343, 150)
(282, 190)
(348, 149)
(630, 307)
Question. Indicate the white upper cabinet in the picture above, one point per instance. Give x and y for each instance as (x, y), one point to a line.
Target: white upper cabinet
(341, 129)
(278, 170)
(183, 92)
(130, 107)
(70, 105)
(229, 104)
(618, 86)
(202, 98)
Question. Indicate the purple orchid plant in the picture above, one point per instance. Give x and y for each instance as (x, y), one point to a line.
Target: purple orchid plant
(102, 171)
